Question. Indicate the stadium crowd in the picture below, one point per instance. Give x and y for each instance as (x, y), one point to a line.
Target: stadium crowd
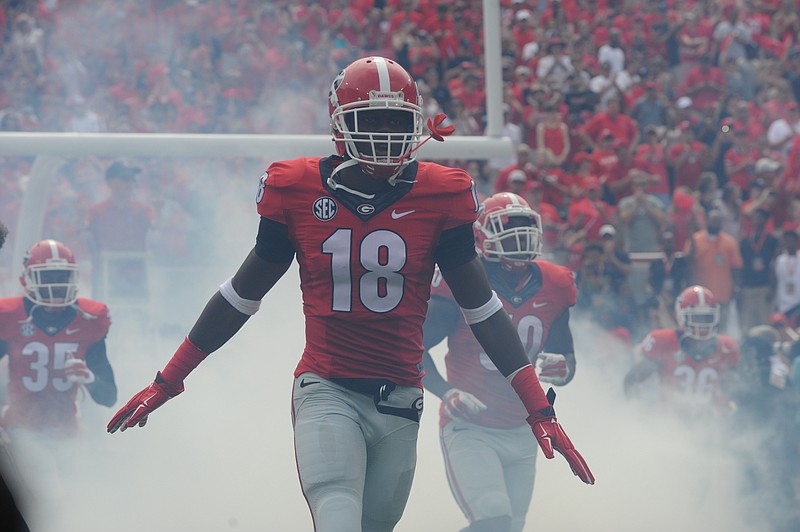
(658, 139)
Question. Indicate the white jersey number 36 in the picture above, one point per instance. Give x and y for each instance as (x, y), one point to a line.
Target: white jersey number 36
(382, 254)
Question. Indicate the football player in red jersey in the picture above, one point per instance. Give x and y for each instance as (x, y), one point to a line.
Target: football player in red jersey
(693, 362)
(55, 342)
(489, 455)
(10, 514)
(367, 226)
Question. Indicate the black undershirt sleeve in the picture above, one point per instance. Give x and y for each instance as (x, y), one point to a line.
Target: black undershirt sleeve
(103, 390)
(456, 247)
(272, 242)
(560, 338)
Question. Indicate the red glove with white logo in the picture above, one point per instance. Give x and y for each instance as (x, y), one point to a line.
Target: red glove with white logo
(76, 370)
(142, 404)
(167, 385)
(551, 436)
(460, 404)
(542, 419)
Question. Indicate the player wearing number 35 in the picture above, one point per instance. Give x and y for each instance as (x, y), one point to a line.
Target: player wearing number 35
(367, 226)
(55, 342)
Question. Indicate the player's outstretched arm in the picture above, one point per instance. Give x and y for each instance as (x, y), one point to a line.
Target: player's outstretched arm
(223, 316)
(497, 335)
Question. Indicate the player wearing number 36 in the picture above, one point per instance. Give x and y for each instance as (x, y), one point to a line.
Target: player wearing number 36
(366, 226)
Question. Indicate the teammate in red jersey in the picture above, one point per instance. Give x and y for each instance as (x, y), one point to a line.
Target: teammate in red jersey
(10, 514)
(692, 363)
(489, 456)
(55, 342)
(367, 227)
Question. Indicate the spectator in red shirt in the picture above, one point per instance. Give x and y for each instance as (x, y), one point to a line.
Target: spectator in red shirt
(694, 38)
(604, 156)
(740, 160)
(587, 214)
(552, 138)
(524, 163)
(119, 224)
(551, 220)
(621, 126)
(650, 158)
(705, 84)
(688, 158)
(685, 216)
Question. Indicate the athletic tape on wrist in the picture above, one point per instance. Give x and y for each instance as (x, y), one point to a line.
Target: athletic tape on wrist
(484, 312)
(245, 306)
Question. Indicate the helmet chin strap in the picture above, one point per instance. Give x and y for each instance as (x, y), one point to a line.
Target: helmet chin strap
(335, 185)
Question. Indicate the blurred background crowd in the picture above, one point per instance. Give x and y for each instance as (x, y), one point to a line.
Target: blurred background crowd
(639, 127)
(658, 139)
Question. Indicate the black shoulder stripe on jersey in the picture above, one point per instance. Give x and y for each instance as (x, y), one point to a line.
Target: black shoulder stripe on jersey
(456, 247)
(272, 242)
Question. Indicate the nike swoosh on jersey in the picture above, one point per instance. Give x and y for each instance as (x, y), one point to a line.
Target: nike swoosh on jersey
(304, 383)
(539, 305)
(71, 331)
(396, 215)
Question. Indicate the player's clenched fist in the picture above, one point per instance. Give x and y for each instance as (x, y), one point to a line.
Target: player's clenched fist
(76, 370)
(135, 412)
(460, 404)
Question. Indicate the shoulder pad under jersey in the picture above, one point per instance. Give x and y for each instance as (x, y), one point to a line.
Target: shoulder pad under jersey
(281, 174)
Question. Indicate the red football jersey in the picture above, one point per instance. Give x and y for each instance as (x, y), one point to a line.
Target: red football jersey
(365, 279)
(40, 397)
(471, 370)
(681, 375)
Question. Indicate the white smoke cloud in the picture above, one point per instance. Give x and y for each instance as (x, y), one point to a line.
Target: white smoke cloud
(220, 457)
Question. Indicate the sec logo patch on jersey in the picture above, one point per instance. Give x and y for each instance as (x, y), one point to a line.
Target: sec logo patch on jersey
(325, 208)
(27, 329)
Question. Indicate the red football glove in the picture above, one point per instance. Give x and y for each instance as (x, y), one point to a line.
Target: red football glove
(135, 412)
(75, 370)
(551, 436)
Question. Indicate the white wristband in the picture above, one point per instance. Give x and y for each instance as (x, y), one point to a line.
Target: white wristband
(484, 312)
(245, 306)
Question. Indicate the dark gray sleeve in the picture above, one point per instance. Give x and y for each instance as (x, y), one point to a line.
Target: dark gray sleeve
(456, 247)
(104, 389)
(272, 242)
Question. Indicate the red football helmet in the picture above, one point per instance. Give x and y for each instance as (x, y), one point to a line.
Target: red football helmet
(508, 231)
(374, 84)
(697, 312)
(50, 275)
